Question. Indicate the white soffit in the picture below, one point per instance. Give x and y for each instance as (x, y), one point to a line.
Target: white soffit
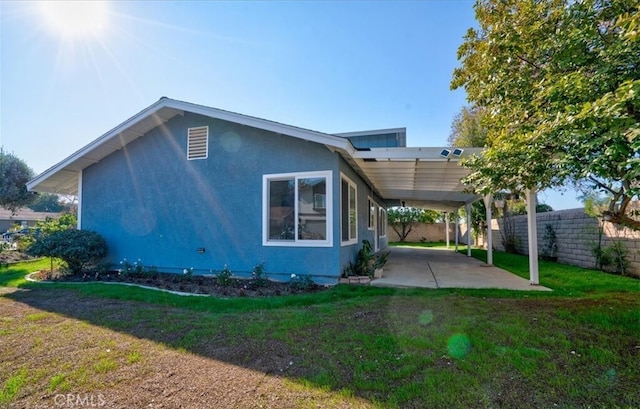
(420, 177)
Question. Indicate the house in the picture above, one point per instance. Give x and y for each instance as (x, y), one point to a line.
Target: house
(181, 186)
(23, 217)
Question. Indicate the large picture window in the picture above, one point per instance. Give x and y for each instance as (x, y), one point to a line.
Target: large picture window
(348, 211)
(297, 209)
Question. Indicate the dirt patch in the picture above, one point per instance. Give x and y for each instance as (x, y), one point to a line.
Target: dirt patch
(74, 352)
(10, 257)
(196, 284)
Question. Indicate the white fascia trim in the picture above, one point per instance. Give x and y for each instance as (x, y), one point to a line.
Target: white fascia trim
(79, 200)
(415, 154)
(276, 127)
(351, 183)
(105, 138)
(328, 175)
(313, 136)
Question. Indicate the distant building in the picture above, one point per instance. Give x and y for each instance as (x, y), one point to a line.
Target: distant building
(24, 217)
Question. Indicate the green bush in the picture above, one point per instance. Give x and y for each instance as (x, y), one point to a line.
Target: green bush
(77, 248)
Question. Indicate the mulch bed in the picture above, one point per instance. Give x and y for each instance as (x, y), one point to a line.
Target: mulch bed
(196, 284)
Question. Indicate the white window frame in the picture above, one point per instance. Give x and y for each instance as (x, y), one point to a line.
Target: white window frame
(296, 242)
(323, 199)
(383, 222)
(206, 146)
(351, 240)
(372, 214)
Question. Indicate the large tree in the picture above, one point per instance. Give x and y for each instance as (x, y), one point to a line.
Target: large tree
(560, 80)
(47, 202)
(468, 129)
(14, 175)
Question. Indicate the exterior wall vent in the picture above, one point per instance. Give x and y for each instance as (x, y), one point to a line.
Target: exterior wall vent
(198, 143)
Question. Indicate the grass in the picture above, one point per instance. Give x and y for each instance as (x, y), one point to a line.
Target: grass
(574, 347)
(426, 244)
(12, 386)
(564, 279)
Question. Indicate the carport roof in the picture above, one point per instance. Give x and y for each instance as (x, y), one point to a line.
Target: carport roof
(420, 177)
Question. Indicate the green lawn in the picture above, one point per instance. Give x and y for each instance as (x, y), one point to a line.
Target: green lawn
(578, 346)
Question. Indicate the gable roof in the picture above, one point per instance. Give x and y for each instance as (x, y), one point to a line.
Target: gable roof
(419, 176)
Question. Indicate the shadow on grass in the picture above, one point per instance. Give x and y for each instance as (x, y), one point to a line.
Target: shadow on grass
(407, 348)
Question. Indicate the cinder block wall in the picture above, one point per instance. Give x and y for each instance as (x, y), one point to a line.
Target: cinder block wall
(424, 232)
(576, 232)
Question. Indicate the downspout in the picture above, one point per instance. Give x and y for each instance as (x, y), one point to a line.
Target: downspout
(79, 200)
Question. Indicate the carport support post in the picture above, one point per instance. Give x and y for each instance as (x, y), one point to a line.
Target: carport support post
(468, 209)
(446, 227)
(533, 236)
(488, 198)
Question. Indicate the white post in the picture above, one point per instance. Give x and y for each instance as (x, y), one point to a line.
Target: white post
(488, 198)
(457, 229)
(533, 236)
(446, 227)
(468, 209)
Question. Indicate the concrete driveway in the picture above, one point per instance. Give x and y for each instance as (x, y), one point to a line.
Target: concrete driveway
(442, 268)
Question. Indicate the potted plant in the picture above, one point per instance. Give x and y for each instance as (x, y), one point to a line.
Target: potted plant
(367, 265)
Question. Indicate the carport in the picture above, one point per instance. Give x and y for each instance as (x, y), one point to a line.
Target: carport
(430, 178)
(439, 268)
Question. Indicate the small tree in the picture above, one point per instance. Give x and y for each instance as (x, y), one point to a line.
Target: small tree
(402, 219)
(77, 248)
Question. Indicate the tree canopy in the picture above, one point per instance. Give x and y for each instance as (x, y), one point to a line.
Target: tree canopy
(14, 175)
(560, 81)
(467, 128)
(47, 202)
(402, 219)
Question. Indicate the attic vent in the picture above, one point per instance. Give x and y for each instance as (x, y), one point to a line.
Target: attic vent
(198, 143)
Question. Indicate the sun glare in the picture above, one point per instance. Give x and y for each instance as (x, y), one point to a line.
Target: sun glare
(75, 19)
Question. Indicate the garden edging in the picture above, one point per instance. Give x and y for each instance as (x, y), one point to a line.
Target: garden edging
(146, 287)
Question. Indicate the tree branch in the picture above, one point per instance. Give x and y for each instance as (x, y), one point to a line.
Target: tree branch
(602, 185)
(523, 59)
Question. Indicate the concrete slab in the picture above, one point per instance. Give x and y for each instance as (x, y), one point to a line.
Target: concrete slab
(442, 268)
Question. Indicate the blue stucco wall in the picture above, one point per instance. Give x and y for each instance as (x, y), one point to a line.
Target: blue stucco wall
(152, 204)
(348, 252)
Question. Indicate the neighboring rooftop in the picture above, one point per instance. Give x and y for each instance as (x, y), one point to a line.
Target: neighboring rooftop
(379, 138)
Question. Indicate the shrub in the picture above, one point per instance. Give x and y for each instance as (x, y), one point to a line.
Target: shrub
(366, 261)
(301, 283)
(258, 275)
(77, 248)
(224, 276)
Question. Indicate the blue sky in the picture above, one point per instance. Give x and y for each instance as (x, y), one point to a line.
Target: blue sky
(327, 66)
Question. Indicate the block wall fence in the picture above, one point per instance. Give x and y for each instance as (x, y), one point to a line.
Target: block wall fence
(576, 232)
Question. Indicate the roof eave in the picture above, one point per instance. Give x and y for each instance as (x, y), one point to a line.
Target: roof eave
(125, 133)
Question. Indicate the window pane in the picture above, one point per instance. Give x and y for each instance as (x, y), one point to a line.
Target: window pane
(352, 213)
(344, 209)
(281, 210)
(312, 213)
